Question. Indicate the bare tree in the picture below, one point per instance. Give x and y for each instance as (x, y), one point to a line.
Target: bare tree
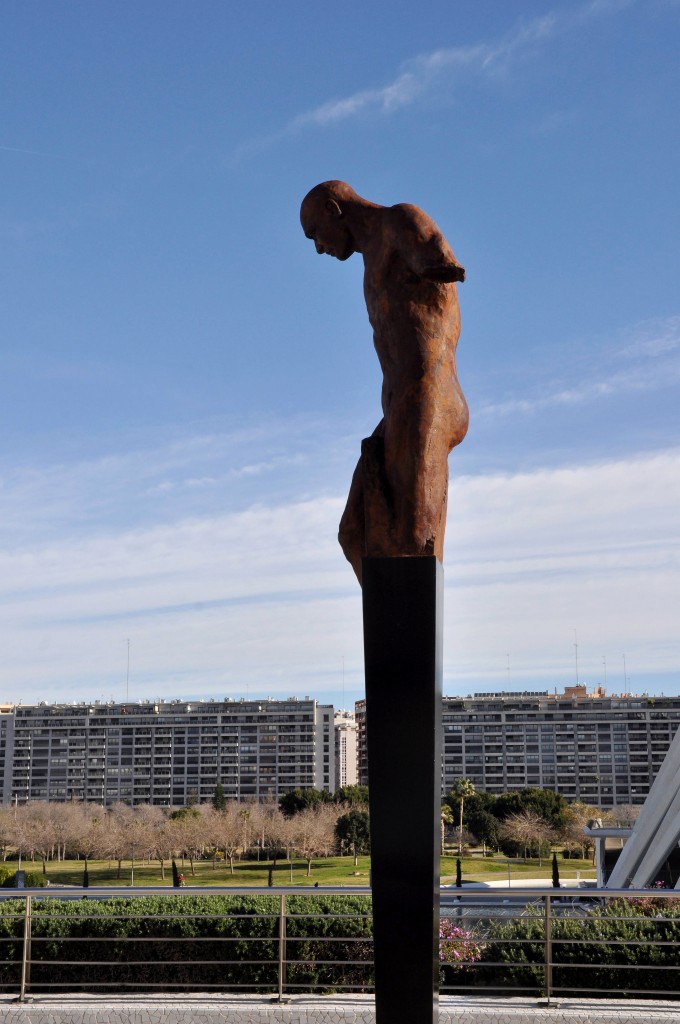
(528, 829)
(157, 839)
(225, 829)
(67, 818)
(129, 834)
(6, 829)
(314, 832)
(574, 820)
(189, 836)
(39, 834)
(87, 831)
(624, 815)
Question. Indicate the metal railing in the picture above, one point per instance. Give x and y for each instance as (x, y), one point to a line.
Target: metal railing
(520, 940)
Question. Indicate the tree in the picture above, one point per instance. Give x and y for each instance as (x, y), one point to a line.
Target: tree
(352, 831)
(222, 830)
(484, 826)
(39, 836)
(270, 826)
(529, 830)
(189, 834)
(314, 834)
(219, 800)
(446, 819)
(130, 832)
(87, 830)
(623, 815)
(296, 800)
(462, 789)
(6, 829)
(543, 802)
(555, 872)
(574, 820)
(160, 838)
(353, 795)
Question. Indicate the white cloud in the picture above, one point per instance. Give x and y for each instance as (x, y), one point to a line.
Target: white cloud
(261, 598)
(535, 555)
(421, 74)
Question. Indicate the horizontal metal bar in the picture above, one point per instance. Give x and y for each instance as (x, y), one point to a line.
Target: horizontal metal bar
(147, 963)
(218, 986)
(160, 938)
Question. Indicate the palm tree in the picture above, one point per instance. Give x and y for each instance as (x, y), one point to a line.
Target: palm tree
(446, 819)
(462, 789)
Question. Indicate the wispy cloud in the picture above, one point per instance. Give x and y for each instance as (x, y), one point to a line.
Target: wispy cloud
(27, 152)
(419, 76)
(644, 358)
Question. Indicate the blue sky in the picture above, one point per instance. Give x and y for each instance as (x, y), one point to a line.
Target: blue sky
(185, 383)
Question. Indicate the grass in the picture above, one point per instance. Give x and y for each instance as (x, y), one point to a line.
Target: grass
(478, 869)
(328, 871)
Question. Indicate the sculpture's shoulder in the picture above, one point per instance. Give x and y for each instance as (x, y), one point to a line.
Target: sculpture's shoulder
(409, 218)
(417, 237)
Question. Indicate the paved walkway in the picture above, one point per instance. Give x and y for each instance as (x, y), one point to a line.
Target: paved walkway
(325, 1010)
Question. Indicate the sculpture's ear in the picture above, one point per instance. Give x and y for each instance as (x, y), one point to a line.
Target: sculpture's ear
(333, 208)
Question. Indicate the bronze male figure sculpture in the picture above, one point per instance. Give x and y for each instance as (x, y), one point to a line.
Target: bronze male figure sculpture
(397, 499)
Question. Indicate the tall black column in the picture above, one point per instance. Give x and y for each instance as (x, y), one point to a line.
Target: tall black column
(402, 606)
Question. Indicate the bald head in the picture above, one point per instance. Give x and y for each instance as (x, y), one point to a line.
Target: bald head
(339, 191)
(326, 218)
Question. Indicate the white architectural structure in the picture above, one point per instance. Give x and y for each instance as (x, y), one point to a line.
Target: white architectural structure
(656, 832)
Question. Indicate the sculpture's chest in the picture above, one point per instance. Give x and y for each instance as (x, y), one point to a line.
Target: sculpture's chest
(390, 287)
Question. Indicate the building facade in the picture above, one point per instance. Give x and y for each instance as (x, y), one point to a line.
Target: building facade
(346, 769)
(602, 750)
(166, 753)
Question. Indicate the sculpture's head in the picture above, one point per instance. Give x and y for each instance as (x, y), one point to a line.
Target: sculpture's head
(324, 219)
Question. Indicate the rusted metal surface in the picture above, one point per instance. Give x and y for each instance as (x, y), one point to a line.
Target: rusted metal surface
(397, 499)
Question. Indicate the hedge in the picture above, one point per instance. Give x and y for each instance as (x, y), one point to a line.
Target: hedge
(83, 930)
(171, 934)
(609, 941)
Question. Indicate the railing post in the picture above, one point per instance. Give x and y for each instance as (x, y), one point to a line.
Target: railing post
(548, 947)
(26, 952)
(282, 946)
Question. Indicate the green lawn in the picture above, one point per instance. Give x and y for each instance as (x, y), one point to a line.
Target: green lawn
(330, 871)
(478, 869)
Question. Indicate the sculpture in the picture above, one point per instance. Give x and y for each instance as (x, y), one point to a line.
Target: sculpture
(397, 500)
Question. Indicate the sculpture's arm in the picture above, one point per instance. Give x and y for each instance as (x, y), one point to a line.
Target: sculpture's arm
(445, 272)
(423, 247)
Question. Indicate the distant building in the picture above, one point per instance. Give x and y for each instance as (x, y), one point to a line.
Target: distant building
(346, 765)
(602, 750)
(362, 748)
(165, 752)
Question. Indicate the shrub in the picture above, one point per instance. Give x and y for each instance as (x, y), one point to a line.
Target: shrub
(184, 942)
(32, 880)
(459, 948)
(607, 951)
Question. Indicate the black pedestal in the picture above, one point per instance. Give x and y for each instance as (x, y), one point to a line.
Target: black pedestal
(402, 604)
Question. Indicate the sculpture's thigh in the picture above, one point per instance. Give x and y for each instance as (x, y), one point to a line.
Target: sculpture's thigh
(352, 530)
(416, 468)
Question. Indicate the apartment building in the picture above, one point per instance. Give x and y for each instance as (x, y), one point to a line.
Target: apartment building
(165, 752)
(346, 773)
(602, 750)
